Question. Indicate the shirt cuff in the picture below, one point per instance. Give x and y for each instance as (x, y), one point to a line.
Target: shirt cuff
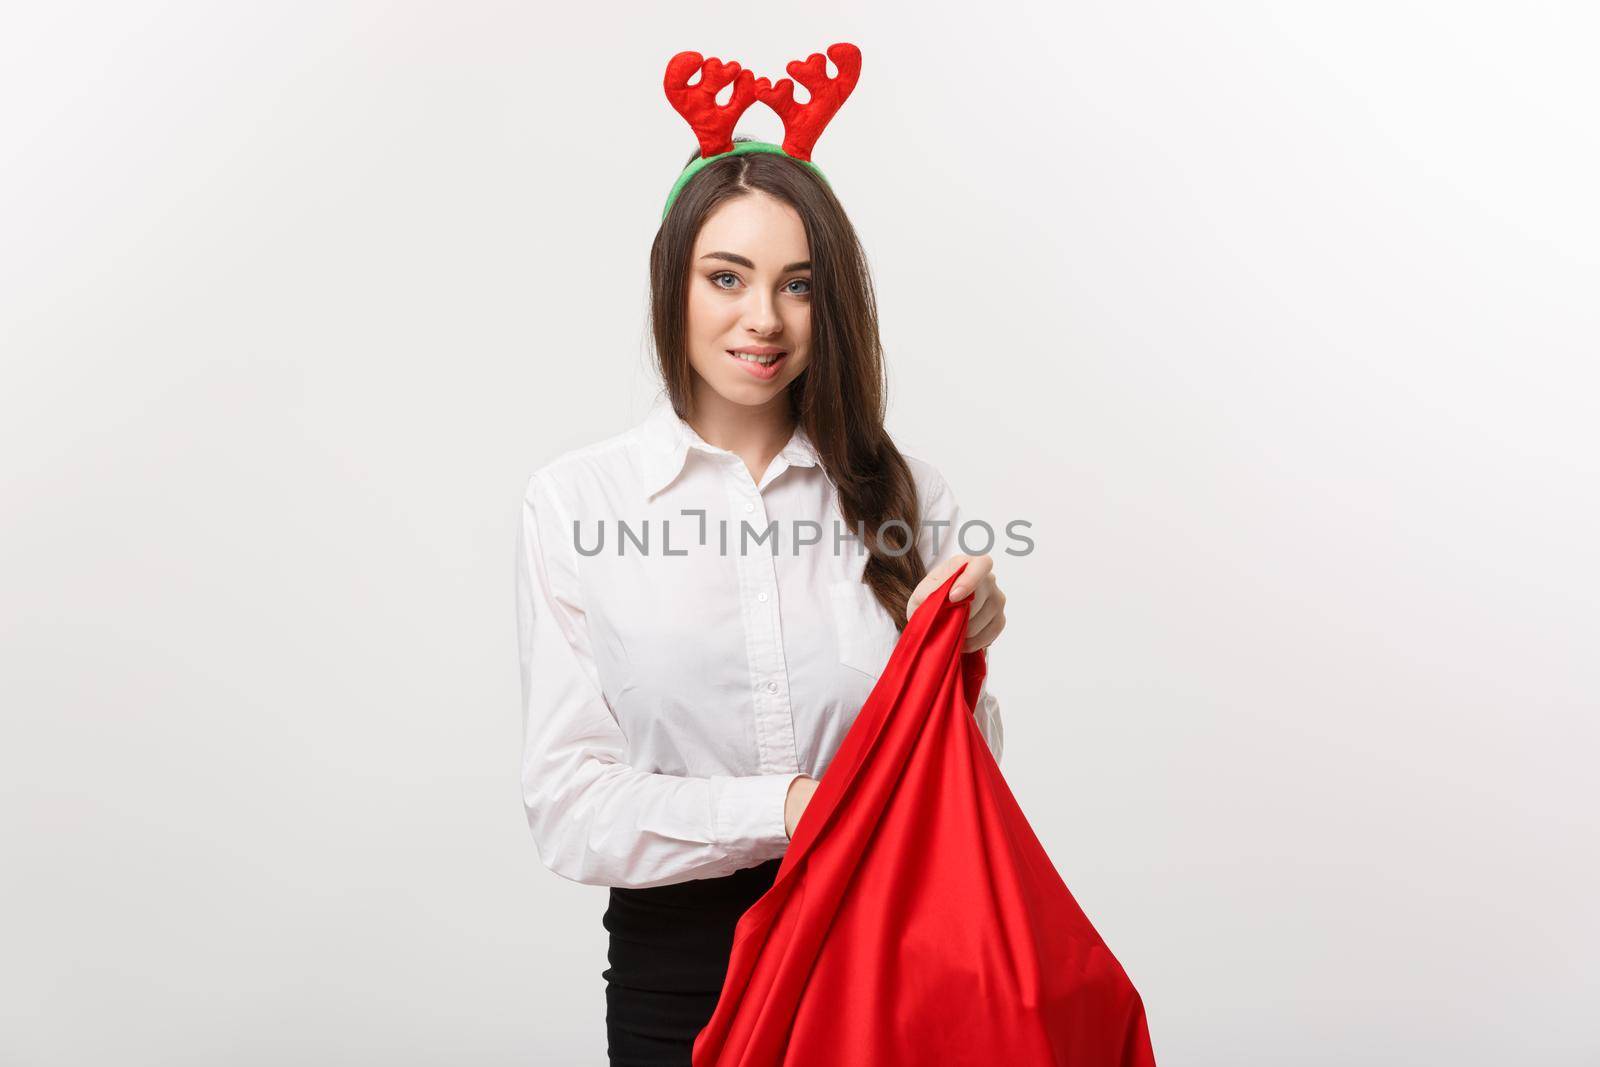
(750, 814)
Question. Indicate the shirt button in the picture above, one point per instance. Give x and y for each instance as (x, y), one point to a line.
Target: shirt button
(772, 687)
(761, 597)
(749, 506)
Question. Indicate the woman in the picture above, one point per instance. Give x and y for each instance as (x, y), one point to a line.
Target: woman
(699, 623)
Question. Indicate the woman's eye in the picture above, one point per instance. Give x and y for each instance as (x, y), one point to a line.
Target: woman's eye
(716, 280)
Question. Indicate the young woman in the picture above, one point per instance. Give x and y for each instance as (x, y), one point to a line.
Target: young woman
(699, 623)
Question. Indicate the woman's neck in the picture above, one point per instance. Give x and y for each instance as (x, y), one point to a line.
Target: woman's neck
(754, 434)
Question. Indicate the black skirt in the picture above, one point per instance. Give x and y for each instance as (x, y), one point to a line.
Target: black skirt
(669, 954)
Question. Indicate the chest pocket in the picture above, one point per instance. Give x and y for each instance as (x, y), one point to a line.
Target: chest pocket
(864, 629)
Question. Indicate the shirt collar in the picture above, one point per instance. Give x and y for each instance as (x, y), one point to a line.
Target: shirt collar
(666, 440)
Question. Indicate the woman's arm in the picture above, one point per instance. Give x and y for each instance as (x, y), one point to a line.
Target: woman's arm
(594, 818)
(939, 547)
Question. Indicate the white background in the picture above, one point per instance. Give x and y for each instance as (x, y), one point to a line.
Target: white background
(1277, 320)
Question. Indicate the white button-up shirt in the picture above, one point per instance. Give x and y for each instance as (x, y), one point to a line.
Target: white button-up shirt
(673, 685)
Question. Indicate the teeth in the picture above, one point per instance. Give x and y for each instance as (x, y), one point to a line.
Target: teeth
(763, 360)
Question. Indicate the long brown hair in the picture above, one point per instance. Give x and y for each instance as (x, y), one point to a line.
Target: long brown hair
(841, 397)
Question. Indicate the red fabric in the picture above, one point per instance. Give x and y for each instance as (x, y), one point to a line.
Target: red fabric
(916, 919)
(713, 123)
(804, 123)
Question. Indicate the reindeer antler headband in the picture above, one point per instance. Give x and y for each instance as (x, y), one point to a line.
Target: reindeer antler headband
(713, 123)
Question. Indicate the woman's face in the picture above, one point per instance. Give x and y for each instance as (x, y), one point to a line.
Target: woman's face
(750, 290)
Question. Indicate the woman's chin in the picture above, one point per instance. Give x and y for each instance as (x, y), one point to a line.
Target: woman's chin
(740, 386)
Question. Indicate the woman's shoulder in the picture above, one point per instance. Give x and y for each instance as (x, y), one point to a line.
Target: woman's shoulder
(927, 478)
(598, 469)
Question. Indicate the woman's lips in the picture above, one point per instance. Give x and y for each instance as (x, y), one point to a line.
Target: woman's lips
(756, 370)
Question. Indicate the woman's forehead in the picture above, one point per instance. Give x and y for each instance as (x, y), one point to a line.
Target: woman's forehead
(761, 228)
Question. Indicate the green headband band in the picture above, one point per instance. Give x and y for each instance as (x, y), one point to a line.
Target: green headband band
(740, 148)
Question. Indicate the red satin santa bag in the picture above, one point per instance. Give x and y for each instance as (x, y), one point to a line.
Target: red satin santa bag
(916, 919)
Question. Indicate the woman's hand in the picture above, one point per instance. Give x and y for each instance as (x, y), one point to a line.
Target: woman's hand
(800, 792)
(987, 616)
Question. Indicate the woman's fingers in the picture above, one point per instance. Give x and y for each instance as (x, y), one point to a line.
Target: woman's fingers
(985, 606)
(986, 632)
(986, 617)
(978, 570)
(931, 581)
(988, 602)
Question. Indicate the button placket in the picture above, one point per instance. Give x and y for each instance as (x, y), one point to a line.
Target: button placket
(778, 751)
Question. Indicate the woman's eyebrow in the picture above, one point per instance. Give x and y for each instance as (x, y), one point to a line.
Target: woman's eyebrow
(731, 257)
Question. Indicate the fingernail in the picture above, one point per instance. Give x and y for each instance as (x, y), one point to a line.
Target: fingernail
(957, 592)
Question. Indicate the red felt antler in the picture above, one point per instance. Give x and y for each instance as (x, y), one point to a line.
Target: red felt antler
(804, 123)
(712, 122)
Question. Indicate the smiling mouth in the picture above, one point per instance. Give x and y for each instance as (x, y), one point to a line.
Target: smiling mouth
(763, 361)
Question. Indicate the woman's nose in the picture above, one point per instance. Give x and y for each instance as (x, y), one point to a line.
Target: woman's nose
(761, 316)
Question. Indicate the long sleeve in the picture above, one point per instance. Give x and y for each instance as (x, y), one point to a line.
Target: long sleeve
(594, 818)
(936, 543)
